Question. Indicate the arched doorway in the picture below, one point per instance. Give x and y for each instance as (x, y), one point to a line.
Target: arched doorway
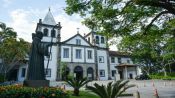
(78, 72)
(90, 73)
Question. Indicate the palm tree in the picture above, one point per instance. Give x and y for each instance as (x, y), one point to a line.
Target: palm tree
(6, 32)
(112, 90)
(77, 84)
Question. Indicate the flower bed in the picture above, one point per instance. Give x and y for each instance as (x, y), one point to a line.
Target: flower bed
(18, 91)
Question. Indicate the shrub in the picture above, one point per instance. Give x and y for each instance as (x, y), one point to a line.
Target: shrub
(77, 84)
(18, 91)
(112, 90)
(1, 78)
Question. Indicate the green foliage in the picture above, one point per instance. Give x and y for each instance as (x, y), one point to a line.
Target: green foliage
(18, 91)
(6, 32)
(17, 48)
(77, 84)
(160, 75)
(63, 71)
(112, 90)
(146, 26)
(2, 78)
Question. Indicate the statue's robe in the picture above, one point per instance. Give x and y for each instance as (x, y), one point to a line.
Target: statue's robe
(36, 69)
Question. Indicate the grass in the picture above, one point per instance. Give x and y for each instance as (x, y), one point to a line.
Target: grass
(84, 94)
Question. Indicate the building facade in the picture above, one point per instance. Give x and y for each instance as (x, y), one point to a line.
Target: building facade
(84, 56)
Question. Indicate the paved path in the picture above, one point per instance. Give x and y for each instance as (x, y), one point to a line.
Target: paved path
(146, 88)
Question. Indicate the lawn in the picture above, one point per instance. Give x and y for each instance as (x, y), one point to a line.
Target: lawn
(85, 94)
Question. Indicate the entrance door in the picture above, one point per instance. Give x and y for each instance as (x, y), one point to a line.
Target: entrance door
(121, 74)
(78, 72)
(90, 73)
(130, 76)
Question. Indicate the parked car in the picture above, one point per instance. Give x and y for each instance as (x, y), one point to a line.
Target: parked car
(142, 77)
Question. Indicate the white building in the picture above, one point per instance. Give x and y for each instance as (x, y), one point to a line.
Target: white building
(85, 56)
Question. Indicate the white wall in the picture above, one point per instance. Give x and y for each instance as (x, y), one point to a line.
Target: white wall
(102, 66)
(73, 41)
(82, 59)
(91, 39)
(62, 54)
(103, 45)
(123, 60)
(19, 73)
(52, 63)
(93, 55)
(48, 38)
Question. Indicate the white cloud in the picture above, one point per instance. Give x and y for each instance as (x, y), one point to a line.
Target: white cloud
(69, 27)
(24, 23)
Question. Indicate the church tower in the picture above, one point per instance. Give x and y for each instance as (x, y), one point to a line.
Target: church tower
(51, 32)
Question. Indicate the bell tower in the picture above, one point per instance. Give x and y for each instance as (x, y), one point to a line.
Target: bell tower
(51, 32)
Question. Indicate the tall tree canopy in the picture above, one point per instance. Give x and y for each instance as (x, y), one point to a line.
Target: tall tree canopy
(121, 17)
(147, 27)
(12, 50)
(6, 32)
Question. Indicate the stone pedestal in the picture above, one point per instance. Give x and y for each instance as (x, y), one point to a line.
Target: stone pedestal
(36, 83)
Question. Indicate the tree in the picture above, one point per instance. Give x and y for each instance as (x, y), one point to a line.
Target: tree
(153, 51)
(112, 90)
(77, 84)
(12, 50)
(6, 32)
(133, 19)
(121, 17)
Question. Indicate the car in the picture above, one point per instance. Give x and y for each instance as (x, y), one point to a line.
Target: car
(142, 77)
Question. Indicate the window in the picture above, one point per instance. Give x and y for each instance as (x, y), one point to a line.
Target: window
(89, 54)
(128, 61)
(47, 57)
(101, 59)
(113, 73)
(97, 40)
(78, 53)
(53, 33)
(45, 32)
(119, 60)
(102, 73)
(102, 40)
(48, 72)
(23, 72)
(112, 59)
(78, 41)
(66, 53)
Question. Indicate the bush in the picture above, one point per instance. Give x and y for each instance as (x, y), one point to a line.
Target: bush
(18, 91)
(159, 76)
(1, 78)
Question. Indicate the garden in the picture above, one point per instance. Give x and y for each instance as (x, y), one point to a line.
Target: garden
(111, 90)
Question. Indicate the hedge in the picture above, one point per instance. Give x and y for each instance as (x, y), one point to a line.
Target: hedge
(18, 91)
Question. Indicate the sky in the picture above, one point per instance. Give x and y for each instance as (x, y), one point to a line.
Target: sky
(23, 16)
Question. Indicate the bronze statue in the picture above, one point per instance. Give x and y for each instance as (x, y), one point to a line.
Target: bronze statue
(39, 49)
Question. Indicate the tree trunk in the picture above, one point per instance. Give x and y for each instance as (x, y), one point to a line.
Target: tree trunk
(76, 91)
(165, 73)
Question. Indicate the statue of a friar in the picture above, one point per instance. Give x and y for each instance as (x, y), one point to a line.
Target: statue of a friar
(35, 72)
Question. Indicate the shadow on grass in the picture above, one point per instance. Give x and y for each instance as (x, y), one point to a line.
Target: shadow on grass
(84, 94)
